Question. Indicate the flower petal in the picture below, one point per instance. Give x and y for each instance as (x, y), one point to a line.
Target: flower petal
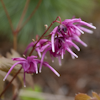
(71, 52)
(52, 42)
(28, 47)
(19, 59)
(87, 24)
(47, 65)
(43, 55)
(11, 70)
(86, 30)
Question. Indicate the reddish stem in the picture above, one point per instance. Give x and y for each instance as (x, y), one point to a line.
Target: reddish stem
(43, 35)
(31, 15)
(15, 41)
(19, 24)
(12, 29)
(15, 32)
(29, 55)
(7, 14)
(23, 14)
(10, 82)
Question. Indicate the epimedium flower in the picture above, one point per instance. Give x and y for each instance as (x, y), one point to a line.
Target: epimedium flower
(40, 46)
(76, 25)
(71, 28)
(61, 45)
(29, 66)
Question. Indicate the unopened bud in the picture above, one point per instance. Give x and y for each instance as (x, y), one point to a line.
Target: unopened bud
(46, 26)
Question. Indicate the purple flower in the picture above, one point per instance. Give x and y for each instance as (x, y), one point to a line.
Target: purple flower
(71, 29)
(75, 26)
(62, 38)
(40, 47)
(29, 65)
(61, 44)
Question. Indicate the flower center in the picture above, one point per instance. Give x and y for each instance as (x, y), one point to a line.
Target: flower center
(62, 28)
(59, 42)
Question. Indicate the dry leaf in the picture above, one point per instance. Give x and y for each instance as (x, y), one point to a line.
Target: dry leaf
(14, 82)
(12, 54)
(82, 96)
(6, 63)
(1, 83)
(96, 95)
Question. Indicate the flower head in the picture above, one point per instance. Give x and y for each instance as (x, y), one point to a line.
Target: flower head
(29, 65)
(62, 38)
(61, 45)
(75, 26)
(40, 46)
(71, 29)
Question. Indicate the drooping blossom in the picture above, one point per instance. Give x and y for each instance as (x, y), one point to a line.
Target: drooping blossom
(61, 45)
(71, 28)
(75, 26)
(39, 48)
(29, 65)
(62, 38)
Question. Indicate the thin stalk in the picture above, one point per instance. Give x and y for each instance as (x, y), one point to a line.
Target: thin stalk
(15, 41)
(31, 15)
(19, 24)
(29, 55)
(10, 82)
(15, 32)
(12, 29)
(44, 34)
(7, 14)
(23, 14)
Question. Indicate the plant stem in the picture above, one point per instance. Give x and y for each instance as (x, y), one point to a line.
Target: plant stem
(12, 29)
(29, 55)
(7, 14)
(15, 32)
(43, 35)
(19, 24)
(31, 15)
(15, 41)
(10, 82)
(23, 14)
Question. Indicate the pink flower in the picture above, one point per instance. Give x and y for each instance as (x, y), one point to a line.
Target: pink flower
(40, 47)
(71, 28)
(29, 65)
(61, 44)
(75, 26)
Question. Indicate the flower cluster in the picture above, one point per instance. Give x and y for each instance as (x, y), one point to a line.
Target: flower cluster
(62, 40)
(69, 30)
(30, 66)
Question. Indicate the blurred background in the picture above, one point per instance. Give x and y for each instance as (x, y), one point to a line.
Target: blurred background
(79, 75)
